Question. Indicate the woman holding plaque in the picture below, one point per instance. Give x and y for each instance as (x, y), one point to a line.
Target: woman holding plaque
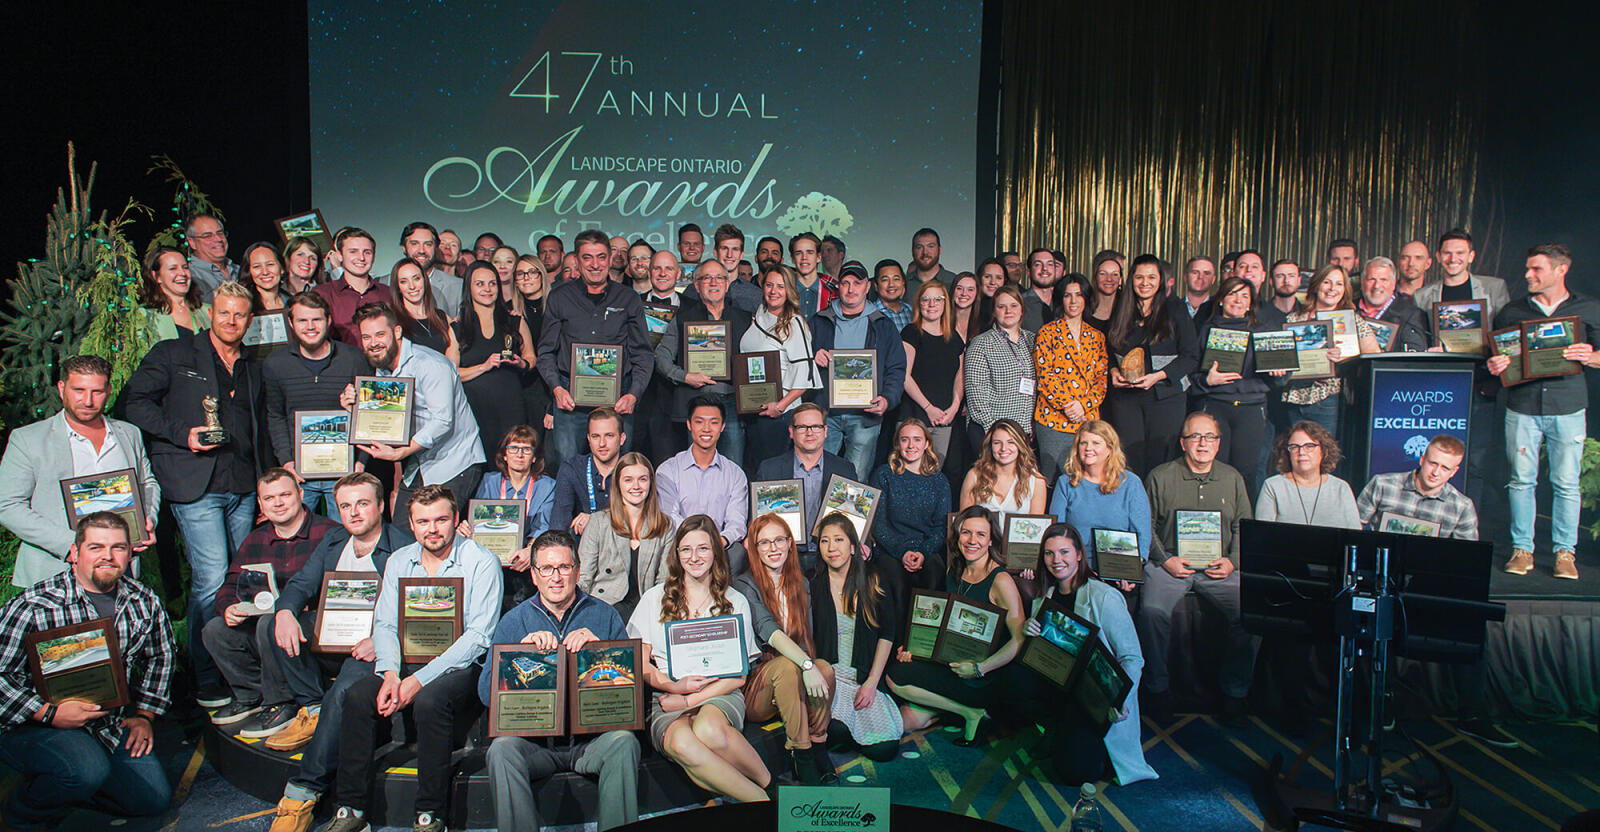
(303, 264)
(696, 721)
(962, 688)
(1080, 753)
(421, 320)
(1006, 479)
(966, 314)
(1319, 400)
(169, 297)
(909, 527)
(267, 293)
(1152, 346)
(933, 365)
(779, 326)
(621, 559)
(495, 347)
(998, 373)
(519, 475)
(1238, 400)
(1069, 361)
(855, 618)
(787, 682)
(1097, 491)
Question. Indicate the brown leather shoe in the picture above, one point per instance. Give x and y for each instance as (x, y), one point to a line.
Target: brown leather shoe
(296, 734)
(1521, 562)
(294, 815)
(1566, 565)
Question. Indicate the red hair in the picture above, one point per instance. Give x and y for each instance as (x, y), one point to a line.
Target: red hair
(791, 584)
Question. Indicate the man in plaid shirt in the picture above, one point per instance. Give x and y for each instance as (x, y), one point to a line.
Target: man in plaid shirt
(68, 752)
(1424, 493)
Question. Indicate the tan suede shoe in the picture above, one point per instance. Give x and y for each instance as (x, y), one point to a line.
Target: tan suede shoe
(295, 734)
(294, 815)
(1566, 565)
(1521, 562)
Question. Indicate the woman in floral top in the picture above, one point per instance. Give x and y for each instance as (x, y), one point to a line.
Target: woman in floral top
(1070, 364)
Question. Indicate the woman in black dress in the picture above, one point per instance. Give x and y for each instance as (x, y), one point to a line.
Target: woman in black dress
(1153, 347)
(495, 348)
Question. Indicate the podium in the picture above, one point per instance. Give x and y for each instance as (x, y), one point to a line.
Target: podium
(1404, 399)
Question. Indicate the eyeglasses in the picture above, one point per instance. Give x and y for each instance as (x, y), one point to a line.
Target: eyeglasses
(769, 545)
(547, 570)
(1302, 448)
(521, 450)
(209, 235)
(808, 427)
(1202, 438)
(524, 273)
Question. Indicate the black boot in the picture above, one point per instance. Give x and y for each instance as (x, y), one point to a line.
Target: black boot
(805, 767)
(827, 773)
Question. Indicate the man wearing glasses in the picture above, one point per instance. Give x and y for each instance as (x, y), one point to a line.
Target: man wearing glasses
(711, 282)
(1196, 482)
(811, 465)
(560, 615)
(209, 266)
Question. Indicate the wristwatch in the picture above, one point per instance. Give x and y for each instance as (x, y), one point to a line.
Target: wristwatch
(808, 664)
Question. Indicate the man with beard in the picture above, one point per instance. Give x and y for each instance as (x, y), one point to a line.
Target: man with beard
(440, 692)
(209, 265)
(768, 250)
(79, 441)
(309, 375)
(444, 448)
(421, 246)
(72, 752)
(1342, 253)
(449, 254)
(925, 251)
(550, 253)
(1285, 281)
(639, 255)
(1042, 276)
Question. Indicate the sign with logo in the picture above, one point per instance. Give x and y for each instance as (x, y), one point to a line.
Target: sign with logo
(1409, 408)
(829, 808)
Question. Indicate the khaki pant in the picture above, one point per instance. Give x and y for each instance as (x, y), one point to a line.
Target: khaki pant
(775, 688)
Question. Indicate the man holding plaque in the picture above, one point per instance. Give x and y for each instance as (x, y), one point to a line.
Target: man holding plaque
(809, 463)
(1548, 409)
(702, 481)
(561, 616)
(848, 324)
(242, 633)
(690, 370)
(309, 375)
(440, 691)
(68, 752)
(592, 310)
(198, 400)
(1380, 301)
(79, 441)
(1196, 482)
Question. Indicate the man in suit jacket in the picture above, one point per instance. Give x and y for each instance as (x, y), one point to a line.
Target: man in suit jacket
(809, 464)
(180, 384)
(1379, 300)
(77, 442)
(711, 279)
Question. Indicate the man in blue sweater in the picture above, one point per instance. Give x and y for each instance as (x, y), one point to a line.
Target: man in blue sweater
(559, 615)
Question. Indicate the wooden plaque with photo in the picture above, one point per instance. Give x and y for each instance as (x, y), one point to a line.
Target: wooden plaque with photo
(1104, 686)
(345, 611)
(80, 661)
(1057, 652)
(1543, 342)
(706, 349)
(657, 319)
(322, 449)
(925, 618)
(267, 332)
(305, 224)
(1116, 555)
(596, 376)
(1344, 333)
(527, 691)
(383, 410)
(1275, 350)
(1382, 333)
(1199, 535)
(119, 492)
(1462, 326)
(1395, 523)
(431, 617)
(497, 526)
(1508, 342)
(785, 498)
(1023, 533)
(1225, 348)
(757, 380)
(854, 500)
(1312, 340)
(972, 631)
(607, 679)
(852, 379)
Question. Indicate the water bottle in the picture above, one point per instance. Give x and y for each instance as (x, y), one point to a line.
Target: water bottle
(1086, 812)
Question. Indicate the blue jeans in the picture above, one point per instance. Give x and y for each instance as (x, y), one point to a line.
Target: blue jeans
(315, 492)
(853, 436)
(1562, 437)
(570, 436)
(213, 527)
(321, 755)
(1324, 413)
(61, 768)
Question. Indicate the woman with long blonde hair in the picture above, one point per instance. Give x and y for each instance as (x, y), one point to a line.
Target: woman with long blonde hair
(934, 354)
(620, 559)
(1006, 478)
(1097, 491)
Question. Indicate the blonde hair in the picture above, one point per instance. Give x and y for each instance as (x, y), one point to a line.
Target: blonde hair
(1116, 460)
(234, 289)
(1027, 467)
(946, 320)
(930, 457)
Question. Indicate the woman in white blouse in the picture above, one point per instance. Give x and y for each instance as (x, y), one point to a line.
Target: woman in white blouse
(778, 325)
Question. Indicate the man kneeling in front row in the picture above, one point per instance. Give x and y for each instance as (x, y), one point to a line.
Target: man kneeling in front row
(560, 615)
(71, 752)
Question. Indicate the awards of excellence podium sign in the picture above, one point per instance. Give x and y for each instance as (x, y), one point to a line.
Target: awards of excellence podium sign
(1410, 407)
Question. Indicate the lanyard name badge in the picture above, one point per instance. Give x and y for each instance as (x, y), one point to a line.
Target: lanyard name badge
(589, 472)
(1024, 384)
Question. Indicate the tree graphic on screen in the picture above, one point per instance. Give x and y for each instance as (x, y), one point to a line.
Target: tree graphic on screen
(818, 213)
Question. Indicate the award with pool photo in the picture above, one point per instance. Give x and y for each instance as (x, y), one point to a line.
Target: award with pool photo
(713, 647)
(785, 498)
(1199, 537)
(527, 691)
(1057, 652)
(596, 375)
(430, 617)
(1104, 685)
(78, 661)
(756, 380)
(1382, 333)
(1543, 342)
(1276, 350)
(855, 501)
(607, 682)
(381, 414)
(117, 491)
(349, 601)
(924, 621)
(972, 631)
(1225, 348)
(1312, 340)
(657, 317)
(497, 526)
(852, 378)
(1116, 555)
(1461, 325)
(1023, 533)
(322, 449)
(1508, 342)
(705, 349)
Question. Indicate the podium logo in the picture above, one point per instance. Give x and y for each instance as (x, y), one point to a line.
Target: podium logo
(1416, 446)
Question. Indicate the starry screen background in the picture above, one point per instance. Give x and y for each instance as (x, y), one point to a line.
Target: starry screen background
(876, 106)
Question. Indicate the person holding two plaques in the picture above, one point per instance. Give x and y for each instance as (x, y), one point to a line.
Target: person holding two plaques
(623, 552)
(559, 615)
(198, 399)
(1236, 398)
(452, 589)
(359, 550)
(696, 354)
(1196, 503)
(855, 618)
(779, 327)
(1097, 491)
(1549, 408)
(909, 526)
(86, 660)
(697, 711)
(495, 348)
(848, 323)
(786, 682)
(1318, 399)
(1152, 347)
(976, 571)
(701, 481)
(1070, 365)
(80, 441)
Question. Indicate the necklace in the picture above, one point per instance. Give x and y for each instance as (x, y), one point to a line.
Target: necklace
(1298, 492)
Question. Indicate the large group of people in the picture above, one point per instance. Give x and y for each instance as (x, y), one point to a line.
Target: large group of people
(1016, 389)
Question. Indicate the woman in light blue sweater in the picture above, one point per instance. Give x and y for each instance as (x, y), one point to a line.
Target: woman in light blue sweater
(1097, 491)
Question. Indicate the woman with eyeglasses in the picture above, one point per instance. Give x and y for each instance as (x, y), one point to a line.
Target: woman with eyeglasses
(789, 682)
(998, 370)
(533, 282)
(1237, 400)
(169, 297)
(519, 475)
(855, 619)
(625, 553)
(421, 320)
(698, 722)
(909, 527)
(934, 386)
(495, 347)
(302, 264)
(1151, 345)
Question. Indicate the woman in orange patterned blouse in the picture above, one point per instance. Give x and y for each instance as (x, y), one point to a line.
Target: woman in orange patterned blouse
(1069, 362)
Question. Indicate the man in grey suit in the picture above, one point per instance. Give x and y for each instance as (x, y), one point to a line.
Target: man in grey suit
(77, 442)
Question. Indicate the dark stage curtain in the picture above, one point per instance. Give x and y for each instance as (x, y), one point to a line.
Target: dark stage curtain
(1199, 128)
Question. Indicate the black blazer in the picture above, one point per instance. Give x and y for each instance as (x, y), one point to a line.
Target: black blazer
(738, 321)
(306, 584)
(1183, 343)
(1413, 335)
(825, 631)
(163, 398)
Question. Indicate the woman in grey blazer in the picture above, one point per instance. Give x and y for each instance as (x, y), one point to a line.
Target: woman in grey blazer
(624, 552)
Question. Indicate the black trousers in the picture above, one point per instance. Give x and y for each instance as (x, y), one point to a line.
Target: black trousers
(1148, 426)
(1244, 436)
(438, 707)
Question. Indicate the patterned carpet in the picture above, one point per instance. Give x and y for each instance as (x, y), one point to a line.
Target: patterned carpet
(1206, 774)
